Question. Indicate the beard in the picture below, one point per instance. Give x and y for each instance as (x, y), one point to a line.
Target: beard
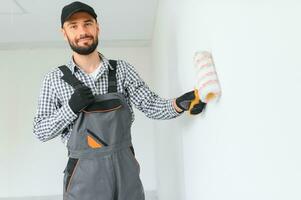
(84, 50)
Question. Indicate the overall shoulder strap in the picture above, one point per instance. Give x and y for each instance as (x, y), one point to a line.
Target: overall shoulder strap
(69, 77)
(112, 77)
(75, 83)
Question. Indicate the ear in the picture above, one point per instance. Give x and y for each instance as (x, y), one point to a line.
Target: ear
(98, 28)
(63, 31)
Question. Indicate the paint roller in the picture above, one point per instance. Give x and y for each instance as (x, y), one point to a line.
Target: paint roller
(207, 87)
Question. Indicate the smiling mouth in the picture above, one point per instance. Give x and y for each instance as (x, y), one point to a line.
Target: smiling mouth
(85, 39)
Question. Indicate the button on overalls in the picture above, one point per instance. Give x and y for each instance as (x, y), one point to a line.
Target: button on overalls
(101, 164)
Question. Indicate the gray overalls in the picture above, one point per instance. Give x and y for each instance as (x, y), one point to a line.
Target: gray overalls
(102, 164)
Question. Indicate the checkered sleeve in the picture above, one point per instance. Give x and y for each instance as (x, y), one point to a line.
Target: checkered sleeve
(51, 119)
(146, 100)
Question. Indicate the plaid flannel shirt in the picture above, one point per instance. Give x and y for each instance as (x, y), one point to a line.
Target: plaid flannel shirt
(54, 116)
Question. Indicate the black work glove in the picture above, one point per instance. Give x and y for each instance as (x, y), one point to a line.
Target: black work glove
(81, 98)
(185, 100)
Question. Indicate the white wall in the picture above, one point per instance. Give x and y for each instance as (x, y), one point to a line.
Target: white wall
(29, 167)
(248, 145)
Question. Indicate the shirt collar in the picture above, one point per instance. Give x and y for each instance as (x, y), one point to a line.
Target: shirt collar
(74, 68)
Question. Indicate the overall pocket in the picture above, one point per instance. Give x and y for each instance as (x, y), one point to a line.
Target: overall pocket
(70, 172)
(94, 141)
(104, 106)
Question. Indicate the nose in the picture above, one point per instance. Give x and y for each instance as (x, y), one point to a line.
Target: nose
(82, 29)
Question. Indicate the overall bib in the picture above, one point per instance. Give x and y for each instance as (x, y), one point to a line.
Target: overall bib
(102, 164)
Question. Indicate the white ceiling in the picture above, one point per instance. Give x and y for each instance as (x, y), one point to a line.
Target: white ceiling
(37, 22)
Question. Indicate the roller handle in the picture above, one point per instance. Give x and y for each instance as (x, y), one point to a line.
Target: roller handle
(195, 101)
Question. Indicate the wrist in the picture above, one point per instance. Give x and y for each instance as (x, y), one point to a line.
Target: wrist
(179, 110)
(73, 106)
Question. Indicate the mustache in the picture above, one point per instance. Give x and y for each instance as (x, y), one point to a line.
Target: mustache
(84, 37)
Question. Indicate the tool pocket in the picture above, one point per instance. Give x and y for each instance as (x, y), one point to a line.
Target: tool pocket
(104, 106)
(70, 172)
(94, 141)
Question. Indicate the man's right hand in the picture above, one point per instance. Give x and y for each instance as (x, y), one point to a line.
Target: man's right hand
(81, 98)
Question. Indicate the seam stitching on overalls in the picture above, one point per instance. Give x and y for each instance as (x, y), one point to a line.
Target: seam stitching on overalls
(102, 110)
(68, 186)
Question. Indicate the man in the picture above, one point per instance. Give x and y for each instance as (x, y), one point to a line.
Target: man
(88, 103)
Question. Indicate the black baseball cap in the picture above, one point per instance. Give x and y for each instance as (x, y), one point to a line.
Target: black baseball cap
(74, 7)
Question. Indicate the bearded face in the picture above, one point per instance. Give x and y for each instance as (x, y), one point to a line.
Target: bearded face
(81, 31)
(86, 47)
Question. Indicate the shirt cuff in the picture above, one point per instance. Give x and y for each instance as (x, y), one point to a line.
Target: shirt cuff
(67, 113)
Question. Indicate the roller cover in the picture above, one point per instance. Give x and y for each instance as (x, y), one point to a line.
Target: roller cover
(207, 83)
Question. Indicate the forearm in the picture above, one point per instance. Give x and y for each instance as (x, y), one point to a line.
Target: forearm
(48, 126)
(152, 105)
(161, 109)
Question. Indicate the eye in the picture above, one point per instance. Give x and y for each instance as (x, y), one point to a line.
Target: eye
(88, 23)
(72, 26)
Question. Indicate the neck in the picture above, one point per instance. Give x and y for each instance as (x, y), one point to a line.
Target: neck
(88, 63)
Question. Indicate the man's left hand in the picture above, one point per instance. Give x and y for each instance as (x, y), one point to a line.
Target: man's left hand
(183, 102)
